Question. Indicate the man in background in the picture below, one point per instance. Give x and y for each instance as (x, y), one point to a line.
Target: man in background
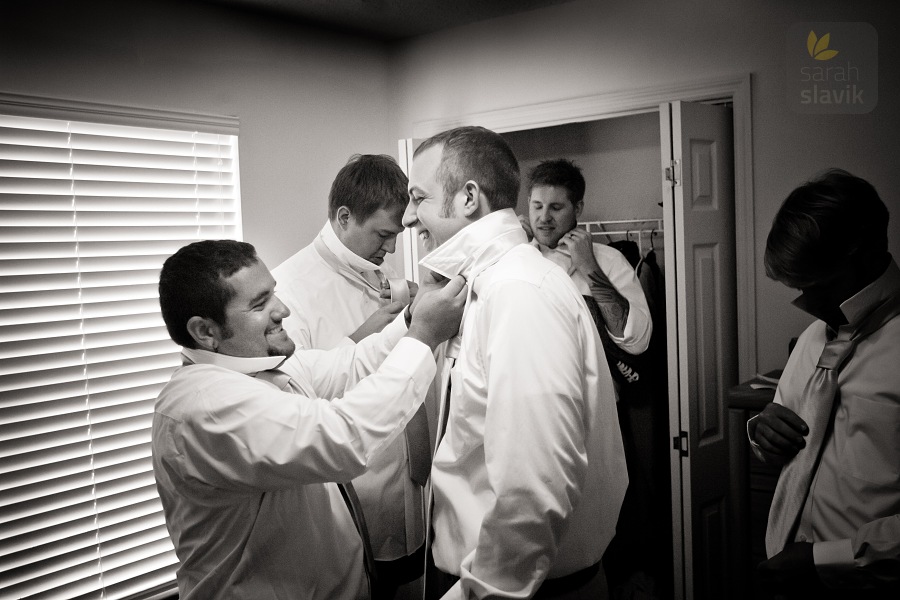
(246, 455)
(601, 273)
(339, 291)
(834, 425)
(529, 476)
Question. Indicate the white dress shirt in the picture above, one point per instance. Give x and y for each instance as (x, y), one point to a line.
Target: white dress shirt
(244, 469)
(530, 475)
(852, 512)
(639, 326)
(328, 298)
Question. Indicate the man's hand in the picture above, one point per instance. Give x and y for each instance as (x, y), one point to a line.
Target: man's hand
(413, 290)
(379, 319)
(438, 312)
(430, 281)
(581, 248)
(778, 432)
(792, 572)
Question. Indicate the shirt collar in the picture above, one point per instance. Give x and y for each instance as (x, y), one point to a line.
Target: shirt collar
(559, 255)
(344, 254)
(241, 364)
(856, 308)
(477, 245)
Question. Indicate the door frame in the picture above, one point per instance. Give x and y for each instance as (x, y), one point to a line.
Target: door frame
(736, 89)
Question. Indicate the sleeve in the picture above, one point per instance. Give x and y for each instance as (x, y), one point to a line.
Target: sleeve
(331, 372)
(247, 435)
(871, 557)
(534, 441)
(639, 326)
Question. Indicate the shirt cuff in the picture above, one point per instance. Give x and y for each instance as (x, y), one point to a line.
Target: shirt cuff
(753, 445)
(832, 560)
(397, 328)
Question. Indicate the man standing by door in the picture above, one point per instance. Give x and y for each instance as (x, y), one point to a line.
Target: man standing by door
(834, 524)
(339, 291)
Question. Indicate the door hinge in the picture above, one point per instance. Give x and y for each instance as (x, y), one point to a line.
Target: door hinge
(680, 443)
(673, 173)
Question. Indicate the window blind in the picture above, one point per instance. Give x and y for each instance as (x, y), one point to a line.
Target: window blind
(88, 214)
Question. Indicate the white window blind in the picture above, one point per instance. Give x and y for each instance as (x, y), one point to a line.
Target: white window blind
(88, 214)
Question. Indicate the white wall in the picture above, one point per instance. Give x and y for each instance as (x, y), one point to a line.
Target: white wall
(618, 157)
(591, 47)
(306, 99)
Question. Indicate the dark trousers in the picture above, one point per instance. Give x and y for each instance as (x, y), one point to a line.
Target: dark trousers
(391, 574)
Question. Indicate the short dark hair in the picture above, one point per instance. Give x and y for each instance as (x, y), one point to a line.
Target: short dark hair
(367, 183)
(822, 223)
(559, 172)
(192, 284)
(481, 155)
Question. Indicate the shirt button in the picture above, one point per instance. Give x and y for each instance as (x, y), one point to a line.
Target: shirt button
(802, 538)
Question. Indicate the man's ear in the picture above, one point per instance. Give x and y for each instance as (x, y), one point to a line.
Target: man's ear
(206, 332)
(475, 201)
(579, 206)
(342, 215)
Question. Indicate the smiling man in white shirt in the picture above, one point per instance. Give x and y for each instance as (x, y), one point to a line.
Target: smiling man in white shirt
(244, 465)
(529, 477)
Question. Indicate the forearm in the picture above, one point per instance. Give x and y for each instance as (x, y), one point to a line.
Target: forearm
(870, 557)
(613, 305)
(332, 372)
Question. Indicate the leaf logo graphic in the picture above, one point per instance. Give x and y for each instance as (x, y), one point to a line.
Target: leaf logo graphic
(818, 47)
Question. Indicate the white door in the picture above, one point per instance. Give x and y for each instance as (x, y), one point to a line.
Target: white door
(698, 207)
(409, 247)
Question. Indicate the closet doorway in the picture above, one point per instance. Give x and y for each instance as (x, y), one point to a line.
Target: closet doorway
(658, 165)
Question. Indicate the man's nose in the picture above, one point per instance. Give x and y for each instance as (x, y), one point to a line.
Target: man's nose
(390, 244)
(281, 311)
(409, 215)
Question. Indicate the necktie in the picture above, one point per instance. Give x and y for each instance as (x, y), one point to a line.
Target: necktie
(816, 409)
(284, 382)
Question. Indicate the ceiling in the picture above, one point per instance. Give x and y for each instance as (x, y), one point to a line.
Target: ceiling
(389, 19)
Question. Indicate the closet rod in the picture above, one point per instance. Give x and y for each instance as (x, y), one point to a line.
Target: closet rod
(589, 224)
(627, 231)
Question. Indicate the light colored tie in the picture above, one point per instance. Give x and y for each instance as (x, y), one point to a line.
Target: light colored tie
(816, 409)
(284, 382)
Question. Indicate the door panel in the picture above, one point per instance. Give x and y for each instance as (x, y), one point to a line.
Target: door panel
(409, 246)
(698, 206)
